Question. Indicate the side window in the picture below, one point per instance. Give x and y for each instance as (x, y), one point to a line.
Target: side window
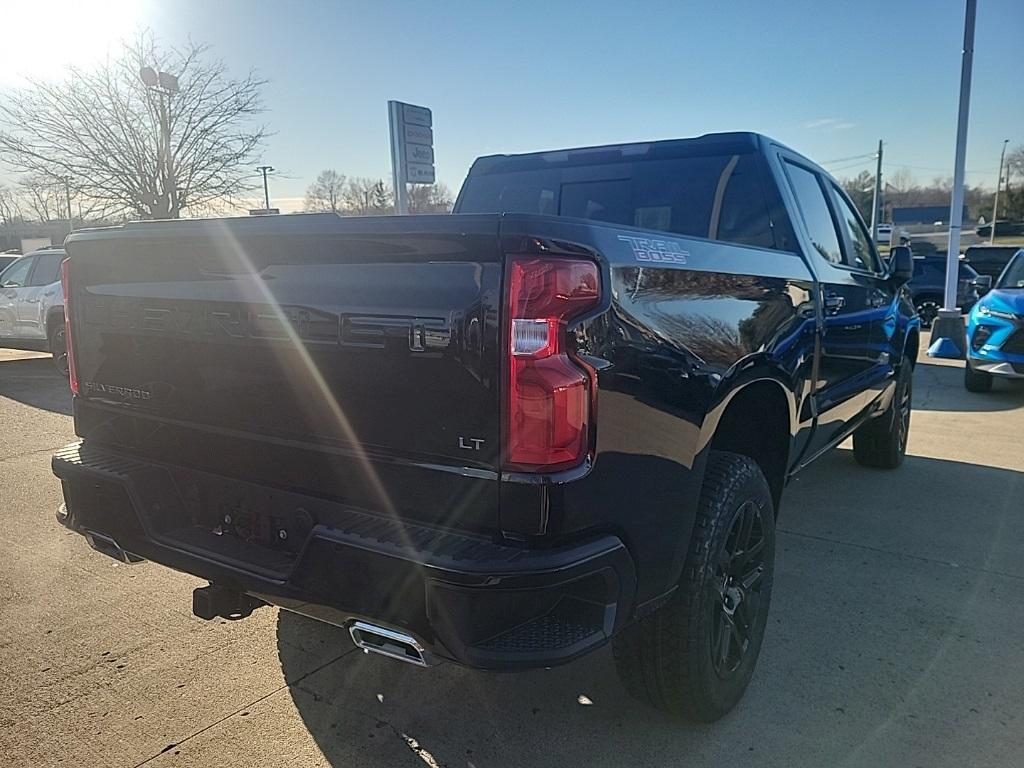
(47, 268)
(861, 255)
(814, 211)
(16, 275)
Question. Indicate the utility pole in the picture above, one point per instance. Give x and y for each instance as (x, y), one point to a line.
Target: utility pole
(995, 202)
(265, 169)
(949, 337)
(876, 199)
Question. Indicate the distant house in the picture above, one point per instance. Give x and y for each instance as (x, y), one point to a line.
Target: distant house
(923, 214)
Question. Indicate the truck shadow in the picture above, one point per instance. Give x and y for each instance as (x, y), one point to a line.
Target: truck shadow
(35, 382)
(853, 655)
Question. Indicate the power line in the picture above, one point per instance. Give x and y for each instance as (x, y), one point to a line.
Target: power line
(870, 155)
(932, 168)
(860, 164)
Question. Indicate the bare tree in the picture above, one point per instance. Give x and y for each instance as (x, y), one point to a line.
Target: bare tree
(327, 192)
(861, 189)
(902, 181)
(10, 207)
(103, 128)
(1014, 205)
(430, 198)
(1015, 162)
(368, 197)
(44, 198)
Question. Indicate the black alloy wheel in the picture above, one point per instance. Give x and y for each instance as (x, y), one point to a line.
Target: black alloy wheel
(736, 590)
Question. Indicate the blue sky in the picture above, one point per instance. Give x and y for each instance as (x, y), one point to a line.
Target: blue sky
(828, 78)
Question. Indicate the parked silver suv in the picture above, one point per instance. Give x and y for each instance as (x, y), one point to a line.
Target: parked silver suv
(32, 305)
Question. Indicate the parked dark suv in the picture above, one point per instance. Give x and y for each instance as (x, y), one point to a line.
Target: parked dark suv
(928, 286)
(990, 260)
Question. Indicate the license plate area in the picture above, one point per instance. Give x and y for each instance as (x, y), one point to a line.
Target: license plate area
(254, 527)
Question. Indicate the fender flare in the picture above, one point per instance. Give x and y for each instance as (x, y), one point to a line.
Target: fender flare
(738, 379)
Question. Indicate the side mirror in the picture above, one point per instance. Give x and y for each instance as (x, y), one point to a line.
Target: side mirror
(982, 284)
(901, 264)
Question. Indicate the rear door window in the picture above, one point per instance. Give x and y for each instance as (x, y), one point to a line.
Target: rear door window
(47, 268)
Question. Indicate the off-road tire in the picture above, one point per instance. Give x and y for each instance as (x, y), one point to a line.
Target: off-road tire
(977, 381)
(59, 348)
(666, 658)
(881, 443)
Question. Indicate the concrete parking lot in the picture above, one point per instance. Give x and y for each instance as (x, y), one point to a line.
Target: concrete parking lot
(895, 635)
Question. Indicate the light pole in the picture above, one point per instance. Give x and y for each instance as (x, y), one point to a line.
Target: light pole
(165, 85)
(876, 197)
(265, 169)
(995, 201)
(949, 336)
(67, 194)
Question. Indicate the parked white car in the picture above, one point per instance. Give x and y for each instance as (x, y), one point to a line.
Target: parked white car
(32, 305)
(884, 235)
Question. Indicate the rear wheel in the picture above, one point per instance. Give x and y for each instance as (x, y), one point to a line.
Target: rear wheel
(59, 348)
(882, 442)
(928, 309)
(696, 654)
(977, 381)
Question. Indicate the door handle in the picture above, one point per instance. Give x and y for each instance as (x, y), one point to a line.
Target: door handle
(834, 303)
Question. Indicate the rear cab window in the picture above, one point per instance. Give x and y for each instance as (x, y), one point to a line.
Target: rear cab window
(715, 196)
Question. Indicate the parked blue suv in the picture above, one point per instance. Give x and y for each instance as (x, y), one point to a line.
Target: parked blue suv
(995, 330)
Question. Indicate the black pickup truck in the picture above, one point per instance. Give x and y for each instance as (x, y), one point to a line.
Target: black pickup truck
(562, 416)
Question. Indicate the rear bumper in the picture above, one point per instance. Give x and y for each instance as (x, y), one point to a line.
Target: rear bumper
(469, 599)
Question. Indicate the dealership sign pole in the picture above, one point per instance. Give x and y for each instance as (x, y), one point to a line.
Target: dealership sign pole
(949, 339)
(412, 149)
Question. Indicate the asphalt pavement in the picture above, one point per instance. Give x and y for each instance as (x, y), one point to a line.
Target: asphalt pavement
(895, 634)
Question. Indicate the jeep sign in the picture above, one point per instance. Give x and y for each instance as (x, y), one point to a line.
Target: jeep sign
(412, 149)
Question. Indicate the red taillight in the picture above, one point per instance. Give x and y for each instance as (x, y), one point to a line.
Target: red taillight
(65, 276)
(549, 393)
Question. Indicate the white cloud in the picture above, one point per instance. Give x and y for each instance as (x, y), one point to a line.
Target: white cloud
(829, 124)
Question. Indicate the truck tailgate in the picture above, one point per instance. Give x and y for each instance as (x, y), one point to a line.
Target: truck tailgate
(374, 340)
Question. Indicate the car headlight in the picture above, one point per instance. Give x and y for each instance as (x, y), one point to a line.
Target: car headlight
(989, 312)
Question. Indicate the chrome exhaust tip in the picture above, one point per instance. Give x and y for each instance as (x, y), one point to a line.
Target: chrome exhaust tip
(388, 642)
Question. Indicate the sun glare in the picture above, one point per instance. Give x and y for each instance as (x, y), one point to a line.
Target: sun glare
(42, 38)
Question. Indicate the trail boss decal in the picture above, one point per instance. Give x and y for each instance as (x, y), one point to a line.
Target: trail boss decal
(649, 250)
